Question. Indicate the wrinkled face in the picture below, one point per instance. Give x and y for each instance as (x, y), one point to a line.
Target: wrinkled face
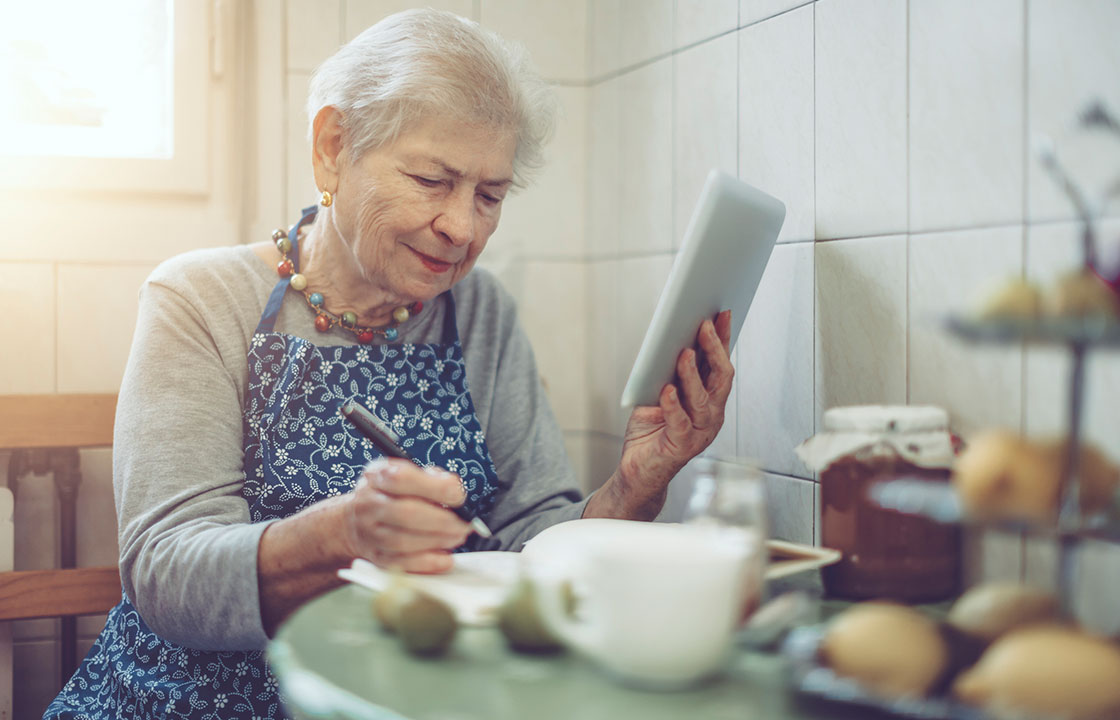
(417, 213)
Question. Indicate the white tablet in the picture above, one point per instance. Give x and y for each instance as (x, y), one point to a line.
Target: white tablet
(726, 248)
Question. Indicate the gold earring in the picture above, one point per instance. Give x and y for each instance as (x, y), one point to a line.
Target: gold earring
(327, 199)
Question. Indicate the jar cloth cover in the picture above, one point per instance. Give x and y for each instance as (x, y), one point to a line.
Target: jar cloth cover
(886, 554)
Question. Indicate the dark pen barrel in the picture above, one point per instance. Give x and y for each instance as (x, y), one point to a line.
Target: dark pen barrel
(387, 442)
(374, 430)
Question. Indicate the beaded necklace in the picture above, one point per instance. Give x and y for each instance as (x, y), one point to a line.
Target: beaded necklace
(325, 319)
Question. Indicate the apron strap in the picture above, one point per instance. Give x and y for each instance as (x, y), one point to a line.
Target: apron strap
(450, 327)
(276, 299)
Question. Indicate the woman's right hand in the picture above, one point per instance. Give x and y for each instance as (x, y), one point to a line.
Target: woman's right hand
(397, 516)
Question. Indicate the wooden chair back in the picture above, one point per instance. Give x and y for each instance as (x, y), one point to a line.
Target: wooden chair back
(44, 433)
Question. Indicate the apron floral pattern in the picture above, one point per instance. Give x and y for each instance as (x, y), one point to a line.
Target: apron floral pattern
(298, 450)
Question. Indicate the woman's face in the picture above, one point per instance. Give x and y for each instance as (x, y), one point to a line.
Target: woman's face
(417, 213)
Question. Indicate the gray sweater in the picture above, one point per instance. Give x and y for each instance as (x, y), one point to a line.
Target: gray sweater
(188, 552)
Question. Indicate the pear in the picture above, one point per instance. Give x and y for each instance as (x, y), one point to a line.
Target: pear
(1002, 476)
(990, 610)
(1045, 671)
(520, 621)
(1082, 294)
(1100, 479)
(386, 604)
(1016, 299)
(425, 624)
(890, 649)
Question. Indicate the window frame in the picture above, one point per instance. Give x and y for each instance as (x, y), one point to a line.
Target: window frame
(186, 171)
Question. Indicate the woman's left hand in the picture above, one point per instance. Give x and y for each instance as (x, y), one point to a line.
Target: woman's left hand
(661, 439)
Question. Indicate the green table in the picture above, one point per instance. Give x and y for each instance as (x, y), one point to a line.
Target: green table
(333, 661)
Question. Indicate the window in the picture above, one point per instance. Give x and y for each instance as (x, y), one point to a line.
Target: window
(107, 95)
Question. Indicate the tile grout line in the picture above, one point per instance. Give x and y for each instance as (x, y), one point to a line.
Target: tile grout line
(612, 74)
(736, 387)
(815, 513)
(673, 137)
(588, 289)
(909, 196)
(1024, 407)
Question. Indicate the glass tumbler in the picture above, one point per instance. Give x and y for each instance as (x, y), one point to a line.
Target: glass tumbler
(729, 496)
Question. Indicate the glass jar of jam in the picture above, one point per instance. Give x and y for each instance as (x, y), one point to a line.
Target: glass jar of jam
(886, 554)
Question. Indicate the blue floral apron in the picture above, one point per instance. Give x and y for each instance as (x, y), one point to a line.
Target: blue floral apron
(298, 450)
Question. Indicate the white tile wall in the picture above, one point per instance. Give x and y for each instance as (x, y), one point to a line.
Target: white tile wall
(1073, 55)
(360, 14)
(93, 346)
(678, 494)
(790, 508)
(554, 33)
(1040, 563)
(704, 122)
(1053, 250)
(1097, 570)
(552, 308)
(646, 30)
(604, 32)
(299, 178)
(640, 280)
(966, 113)
(775, 363)
(817, 513)
(753, 11)
(604, 170)
(860, 116)
(645, 159)
(603, 452)
(776, 115)
(604, 389)
(548, 219)
(313, 32)
(860, 322)
(27, 294)
(576, 445)
(979, 386)
(698, 20)
(993, 556)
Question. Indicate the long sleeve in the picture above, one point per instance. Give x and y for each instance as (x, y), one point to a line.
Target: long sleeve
(188, 553)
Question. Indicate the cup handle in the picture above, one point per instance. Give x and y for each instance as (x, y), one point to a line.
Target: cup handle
(578, 634)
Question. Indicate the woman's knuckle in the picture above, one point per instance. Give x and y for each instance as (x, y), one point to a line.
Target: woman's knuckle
(406, 515)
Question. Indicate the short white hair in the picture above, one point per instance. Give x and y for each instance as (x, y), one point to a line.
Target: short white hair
(424, 62)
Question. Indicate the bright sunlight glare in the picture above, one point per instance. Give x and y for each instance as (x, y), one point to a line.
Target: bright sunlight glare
(87, 79)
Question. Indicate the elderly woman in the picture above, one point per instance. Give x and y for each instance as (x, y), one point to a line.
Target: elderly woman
(241, 490)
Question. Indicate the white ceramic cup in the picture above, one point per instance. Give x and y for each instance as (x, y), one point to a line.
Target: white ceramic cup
(658, 606)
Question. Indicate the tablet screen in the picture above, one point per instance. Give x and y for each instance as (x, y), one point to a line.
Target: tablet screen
(725, 250)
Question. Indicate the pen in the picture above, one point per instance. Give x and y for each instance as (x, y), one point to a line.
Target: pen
(387, 442)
